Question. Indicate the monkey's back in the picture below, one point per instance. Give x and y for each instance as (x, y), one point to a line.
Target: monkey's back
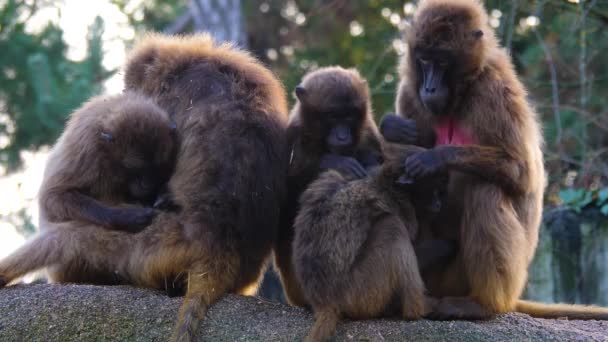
(332, 227)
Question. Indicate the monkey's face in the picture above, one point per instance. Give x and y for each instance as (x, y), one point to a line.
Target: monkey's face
(143, 150)
(149, 165)
(446, 46)
(338, 126)
(434, 70)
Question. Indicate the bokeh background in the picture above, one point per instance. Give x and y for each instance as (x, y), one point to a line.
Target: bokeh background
(56, 54)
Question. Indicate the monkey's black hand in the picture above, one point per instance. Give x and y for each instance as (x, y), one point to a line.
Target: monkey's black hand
(399, 130)
(345, 165)
(131, 219)
(424, 164)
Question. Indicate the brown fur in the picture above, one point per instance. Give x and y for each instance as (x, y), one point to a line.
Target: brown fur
(110, 146)
(326, 89)
(495, 195)
(229, 181)
(353, 251)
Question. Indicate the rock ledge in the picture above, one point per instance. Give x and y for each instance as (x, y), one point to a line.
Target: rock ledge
(121, 313)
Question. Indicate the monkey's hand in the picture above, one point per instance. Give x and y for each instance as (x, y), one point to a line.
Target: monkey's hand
(425, 163)
(399, 130)
(131, 219)
(342, 164)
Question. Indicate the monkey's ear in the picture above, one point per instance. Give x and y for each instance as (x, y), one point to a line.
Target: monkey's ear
(138, 67)
(300, 92)
(477, 34)
(106, 136)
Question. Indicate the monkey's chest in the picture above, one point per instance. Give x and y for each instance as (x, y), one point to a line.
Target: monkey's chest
(451, 132)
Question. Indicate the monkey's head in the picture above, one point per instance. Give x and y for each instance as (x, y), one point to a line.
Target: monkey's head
(447, 45)
(334, 105)
(138, 143)
(180, 71)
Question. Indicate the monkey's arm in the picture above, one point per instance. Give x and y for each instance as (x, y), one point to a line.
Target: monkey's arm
(370, 153)
(71, 205)
(398, 129)
(490, 163)
(411, 114)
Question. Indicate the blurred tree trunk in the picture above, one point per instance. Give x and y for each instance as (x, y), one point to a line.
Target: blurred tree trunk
(222, 18)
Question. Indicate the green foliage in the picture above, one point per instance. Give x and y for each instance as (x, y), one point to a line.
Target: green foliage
(21, 220)
(575, 37)
(39, 86)
(152, 15)
(578, 199)
(328, 36)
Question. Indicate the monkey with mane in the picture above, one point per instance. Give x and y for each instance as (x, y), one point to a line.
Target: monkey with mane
(461, 96)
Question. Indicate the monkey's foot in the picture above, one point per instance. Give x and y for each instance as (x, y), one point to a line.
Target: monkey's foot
(3, 282)
(458, 308)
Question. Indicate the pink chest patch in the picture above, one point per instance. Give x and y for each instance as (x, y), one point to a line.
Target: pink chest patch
(449, 132)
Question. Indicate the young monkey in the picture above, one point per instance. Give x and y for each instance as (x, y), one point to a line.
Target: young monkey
(110, 164)
(353, 249)
(331, 127)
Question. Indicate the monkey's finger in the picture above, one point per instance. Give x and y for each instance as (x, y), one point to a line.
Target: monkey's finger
(408, 135)
(404, 180)
(407, 132)
(410, 163)
(358, 170)
(414, 170)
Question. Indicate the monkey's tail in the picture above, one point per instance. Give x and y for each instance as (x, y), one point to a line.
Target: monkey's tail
(325, 324)
(207, 283)
(541, 310)
(191, 313)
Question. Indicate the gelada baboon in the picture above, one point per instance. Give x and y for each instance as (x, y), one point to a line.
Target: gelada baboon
(460, 91)
(115, 150)
(331, 126)
(229, 181)
(353, 252)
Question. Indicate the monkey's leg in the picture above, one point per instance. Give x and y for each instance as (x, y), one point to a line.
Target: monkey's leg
(40, 251)
(411, 287)
(494, 250)
(208, 281)
(388, 266)
(99, 249)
